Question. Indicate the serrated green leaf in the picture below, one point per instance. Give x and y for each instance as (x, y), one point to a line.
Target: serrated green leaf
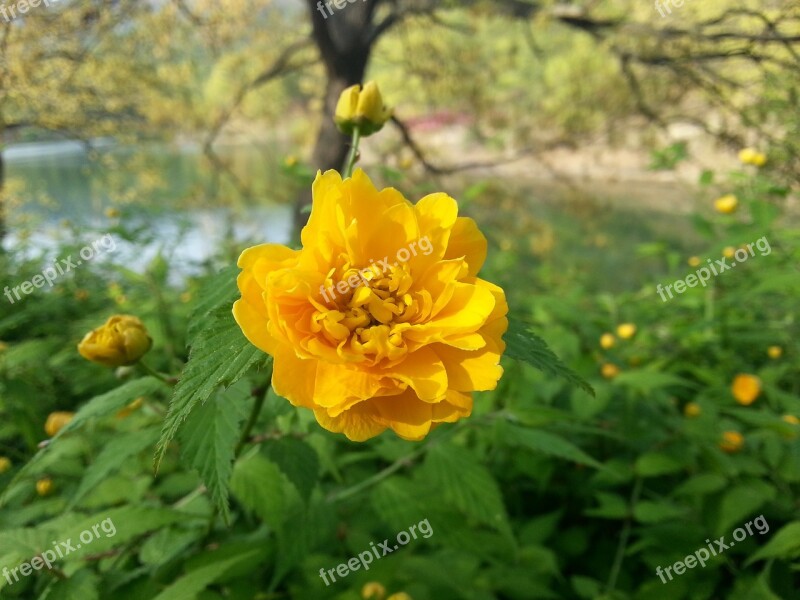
(220, 356)
(523, 345)
(209, 439)
(190, 585)
(115, 453)
(298, 461)
(258, 485)
(544, 442)
(81, 585)
(467, 485)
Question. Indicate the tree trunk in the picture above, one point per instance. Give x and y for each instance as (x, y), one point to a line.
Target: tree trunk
(345, 44)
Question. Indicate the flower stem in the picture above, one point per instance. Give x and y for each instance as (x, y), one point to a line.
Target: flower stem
(352, 157)
(150, 371)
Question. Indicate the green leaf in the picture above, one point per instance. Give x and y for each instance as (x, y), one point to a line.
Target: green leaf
(258, 485)
(99, 406)
(785, 544)
(701, 485)
(543, 442)
(190, 585)
(82, 585)
(654, 464)
(298, 461)
(220, 356)
(742, 501)
(647, 381)
(467, 484)
(209, 439)
(115, 453)
(646, 511)
(523, 345)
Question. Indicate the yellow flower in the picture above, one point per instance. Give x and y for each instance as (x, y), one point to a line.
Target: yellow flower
(56, 422)
(732, 441)
(746, 388)
(363, 109)
(751, 156)
(3, 346)
(5, 464)
(44, 487)
(406, 163)
(774, 352)
(290, 160)
(81, 295)
(379, 321)
(693, 261)
(609, 370)
(791, 419)
(726, 204)
(373, 591)
(400, 596)
(607, 340)
(626, 330)
(112, 213)
(728, 251)
(121, 341)
(691, 410)
(131, 408)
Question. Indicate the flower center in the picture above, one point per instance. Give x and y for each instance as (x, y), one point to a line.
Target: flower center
(369, 316)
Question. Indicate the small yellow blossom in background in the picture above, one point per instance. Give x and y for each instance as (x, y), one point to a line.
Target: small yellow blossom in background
(81, 295)
(693, 261)
(607, 340)
(691, 410)
(726, 204)
(609, 370)
(186, 297)
(373, 591)
(728, 251)
(121, 341)
(399, 345)
(406, 163)
(56, 422)
(362, 109)
(774, 352)
(130, 409)
(5, 464)
(400, 596)
(732, 441)
(3, 346)
(746, 388)
(290, 160)
(626, 331)
(44, 487)
(791, 419)
(751, 156)
(112, 213)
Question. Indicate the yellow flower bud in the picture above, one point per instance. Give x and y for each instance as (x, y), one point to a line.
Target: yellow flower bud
(791, 419)
(626, 330)
(774, 352)
(746, 388)
(607, 340)
(691, 410)
(751, 156)
(373, 591)
(726, 204)
(3, 346)
(5, 464)
(121, 341)
(362, 109)
(44, 487)
(728, 251)
(609, 370)
(131, 408)
(732, 441)
(56, 422)
(693, 261)
(290, 160)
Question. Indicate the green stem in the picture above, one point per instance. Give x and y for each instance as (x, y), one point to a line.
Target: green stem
(352, 157)
(623, 538)
(150, 371)
(251, 421)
